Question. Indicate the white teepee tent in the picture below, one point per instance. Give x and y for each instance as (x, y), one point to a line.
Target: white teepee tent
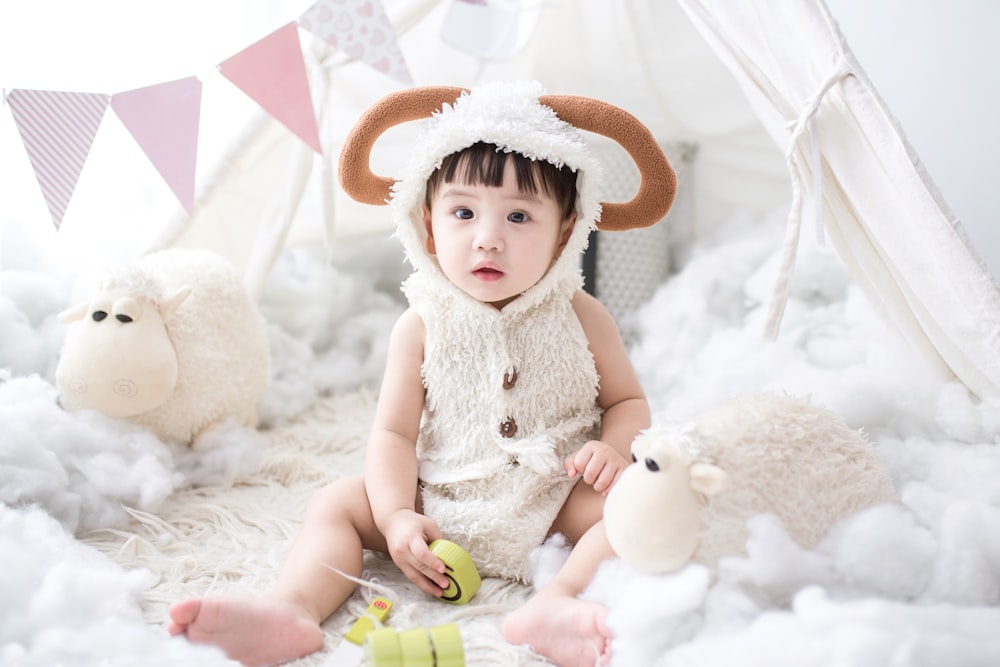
(800, 117)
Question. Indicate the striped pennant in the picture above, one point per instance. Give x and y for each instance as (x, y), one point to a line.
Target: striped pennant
(57, 129)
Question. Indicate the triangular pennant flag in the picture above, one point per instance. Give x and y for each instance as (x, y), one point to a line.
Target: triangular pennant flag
(57, 129)
(273, 73)
(163, 119)
(361, 29)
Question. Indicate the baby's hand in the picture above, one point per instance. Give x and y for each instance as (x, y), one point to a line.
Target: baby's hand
(600, 464)
(407, 535)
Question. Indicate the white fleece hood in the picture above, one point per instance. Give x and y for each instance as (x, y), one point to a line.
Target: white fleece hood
(510, 116)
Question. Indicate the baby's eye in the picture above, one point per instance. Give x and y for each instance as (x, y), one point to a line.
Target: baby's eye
(463, 214)
(518, 216)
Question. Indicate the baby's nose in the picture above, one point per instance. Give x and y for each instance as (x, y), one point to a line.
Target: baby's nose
(489, 236)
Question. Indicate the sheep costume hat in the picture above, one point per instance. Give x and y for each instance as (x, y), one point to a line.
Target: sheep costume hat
(473, 491)
(517, 117)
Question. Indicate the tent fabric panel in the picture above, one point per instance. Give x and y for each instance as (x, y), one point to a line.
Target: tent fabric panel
(897, 235)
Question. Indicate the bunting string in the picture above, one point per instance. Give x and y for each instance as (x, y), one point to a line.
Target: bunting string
(58, 128)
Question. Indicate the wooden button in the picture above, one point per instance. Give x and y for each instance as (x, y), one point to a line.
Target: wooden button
(508, 429)
(510, 379)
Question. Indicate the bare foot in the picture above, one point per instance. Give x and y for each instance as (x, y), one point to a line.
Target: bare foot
(567, 631)
(254, 631)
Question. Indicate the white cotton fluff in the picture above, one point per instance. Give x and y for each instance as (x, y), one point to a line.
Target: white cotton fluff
(85, 468)
(820, 632)
(81, 467)
(859, 546)
(22, 349)
(649, 613)
(327, 322)
(65, 603)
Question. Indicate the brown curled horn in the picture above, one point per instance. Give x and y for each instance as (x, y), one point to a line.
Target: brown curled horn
(355, 170)
(658, 183)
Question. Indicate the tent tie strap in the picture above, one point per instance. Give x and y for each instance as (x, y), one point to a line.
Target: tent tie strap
(802, 127)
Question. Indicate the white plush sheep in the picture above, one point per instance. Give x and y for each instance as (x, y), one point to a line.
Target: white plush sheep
(171, 342)
(692, 488)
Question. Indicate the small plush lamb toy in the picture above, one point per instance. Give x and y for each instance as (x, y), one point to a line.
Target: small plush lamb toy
(171, 342)
(692, 488)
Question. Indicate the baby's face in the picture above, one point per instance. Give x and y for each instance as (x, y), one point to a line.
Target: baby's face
(494, 243)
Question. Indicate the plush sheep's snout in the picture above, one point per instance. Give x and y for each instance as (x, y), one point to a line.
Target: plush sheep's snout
(667, 542)
(123, 388)
(116, 360)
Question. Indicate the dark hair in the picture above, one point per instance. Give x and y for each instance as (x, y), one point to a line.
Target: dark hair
(483, 164)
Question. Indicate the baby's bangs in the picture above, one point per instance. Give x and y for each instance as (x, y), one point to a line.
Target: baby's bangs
(483, 164)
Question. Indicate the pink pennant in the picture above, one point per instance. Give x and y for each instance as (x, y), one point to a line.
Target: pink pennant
(58, 129)
(163, 119)
(273, 73)
(361, 29)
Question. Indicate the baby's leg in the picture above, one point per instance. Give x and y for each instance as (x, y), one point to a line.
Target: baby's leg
(554, 623)
(286, 623)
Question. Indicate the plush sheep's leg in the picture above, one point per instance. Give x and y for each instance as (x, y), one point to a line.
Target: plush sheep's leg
(286, 624)
(554, 623)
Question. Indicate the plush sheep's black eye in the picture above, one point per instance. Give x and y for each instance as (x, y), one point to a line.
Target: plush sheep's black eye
(99, 315)
(634, 460)
(124, 319)
(652, 466)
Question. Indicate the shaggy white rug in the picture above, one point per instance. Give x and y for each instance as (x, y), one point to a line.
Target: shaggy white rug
(231, 540)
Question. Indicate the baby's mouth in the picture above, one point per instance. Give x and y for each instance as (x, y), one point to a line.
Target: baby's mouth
(487, 273)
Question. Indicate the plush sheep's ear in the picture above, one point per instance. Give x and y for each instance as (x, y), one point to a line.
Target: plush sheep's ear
(707, 478)
(74, 314)
(173, 301)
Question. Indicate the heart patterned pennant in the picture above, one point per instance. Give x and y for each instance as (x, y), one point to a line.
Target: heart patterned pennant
(361, 29)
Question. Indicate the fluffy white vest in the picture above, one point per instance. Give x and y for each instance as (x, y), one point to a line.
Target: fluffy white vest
(491, 457)
(510, 394)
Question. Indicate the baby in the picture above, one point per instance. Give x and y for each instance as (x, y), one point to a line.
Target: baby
(508, 404)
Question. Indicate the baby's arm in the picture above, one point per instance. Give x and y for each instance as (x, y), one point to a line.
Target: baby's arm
(626, 410)
(391, 460)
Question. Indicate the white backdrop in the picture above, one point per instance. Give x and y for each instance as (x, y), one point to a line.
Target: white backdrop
(935, 65)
